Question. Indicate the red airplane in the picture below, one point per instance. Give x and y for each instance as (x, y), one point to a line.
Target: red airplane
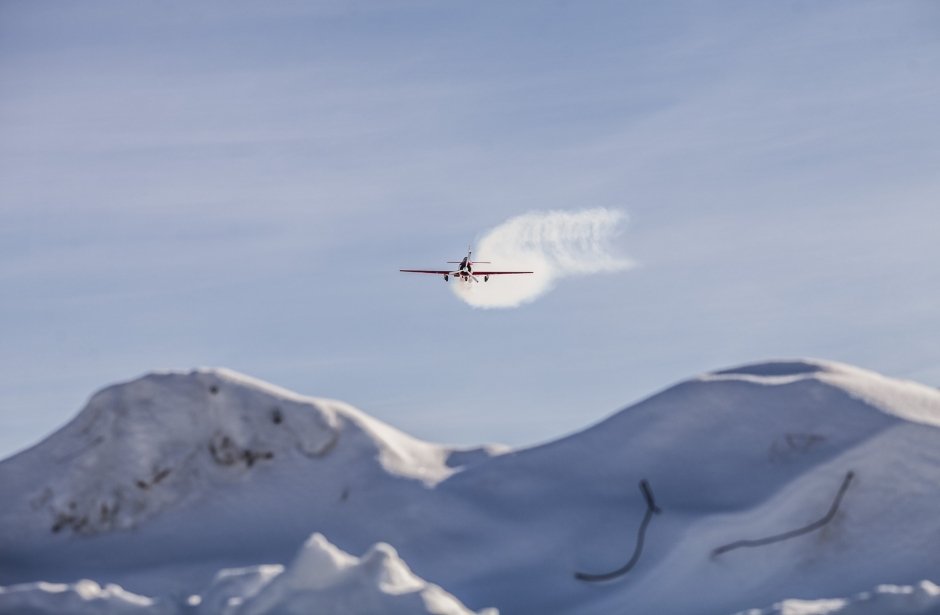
(465, 270)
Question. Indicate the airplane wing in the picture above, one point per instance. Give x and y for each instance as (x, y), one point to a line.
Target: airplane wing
(475, 272)
(425, 271)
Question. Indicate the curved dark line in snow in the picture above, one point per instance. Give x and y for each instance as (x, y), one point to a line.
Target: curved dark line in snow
(833, 509)
(651, 509)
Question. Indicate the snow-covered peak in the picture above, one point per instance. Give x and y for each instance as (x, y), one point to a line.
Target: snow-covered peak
(908, 400)
(783, 368)
(140, 447)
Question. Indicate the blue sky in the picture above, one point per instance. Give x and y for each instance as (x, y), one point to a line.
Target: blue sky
(236, 184)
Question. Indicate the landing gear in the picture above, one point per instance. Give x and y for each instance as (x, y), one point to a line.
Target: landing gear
(446, 277)
(486, 278)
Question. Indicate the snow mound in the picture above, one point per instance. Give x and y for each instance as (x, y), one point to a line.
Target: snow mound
(325, 580)
(144, 446)
(920, 599)
(83, 597)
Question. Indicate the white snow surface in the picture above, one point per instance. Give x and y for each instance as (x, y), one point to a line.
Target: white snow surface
(161, 483)
(323, 579)
(920, 599)
(82, 597)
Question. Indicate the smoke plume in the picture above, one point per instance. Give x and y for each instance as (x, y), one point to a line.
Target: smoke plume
(553, 244)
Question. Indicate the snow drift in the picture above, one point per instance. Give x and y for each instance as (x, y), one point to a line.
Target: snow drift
(81, 598)
(323, 579)
(734, 457)
(920, 599)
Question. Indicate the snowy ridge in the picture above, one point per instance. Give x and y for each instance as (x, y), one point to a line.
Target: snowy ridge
(908, 400)
(824, 474)
(150, 444)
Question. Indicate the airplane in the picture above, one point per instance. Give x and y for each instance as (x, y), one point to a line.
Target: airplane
(465, 270)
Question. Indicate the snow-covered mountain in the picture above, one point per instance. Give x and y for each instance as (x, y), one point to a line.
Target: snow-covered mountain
(775, 481)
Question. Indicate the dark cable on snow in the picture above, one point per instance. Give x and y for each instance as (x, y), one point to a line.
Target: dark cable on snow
(833, 509)
(651, 509)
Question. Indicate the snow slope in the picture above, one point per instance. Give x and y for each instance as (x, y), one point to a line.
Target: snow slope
(160, 483)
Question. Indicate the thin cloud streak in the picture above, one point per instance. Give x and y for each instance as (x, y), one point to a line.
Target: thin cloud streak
(553, 244)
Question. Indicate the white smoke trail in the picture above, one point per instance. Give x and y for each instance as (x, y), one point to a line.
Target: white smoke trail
(553, 244)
